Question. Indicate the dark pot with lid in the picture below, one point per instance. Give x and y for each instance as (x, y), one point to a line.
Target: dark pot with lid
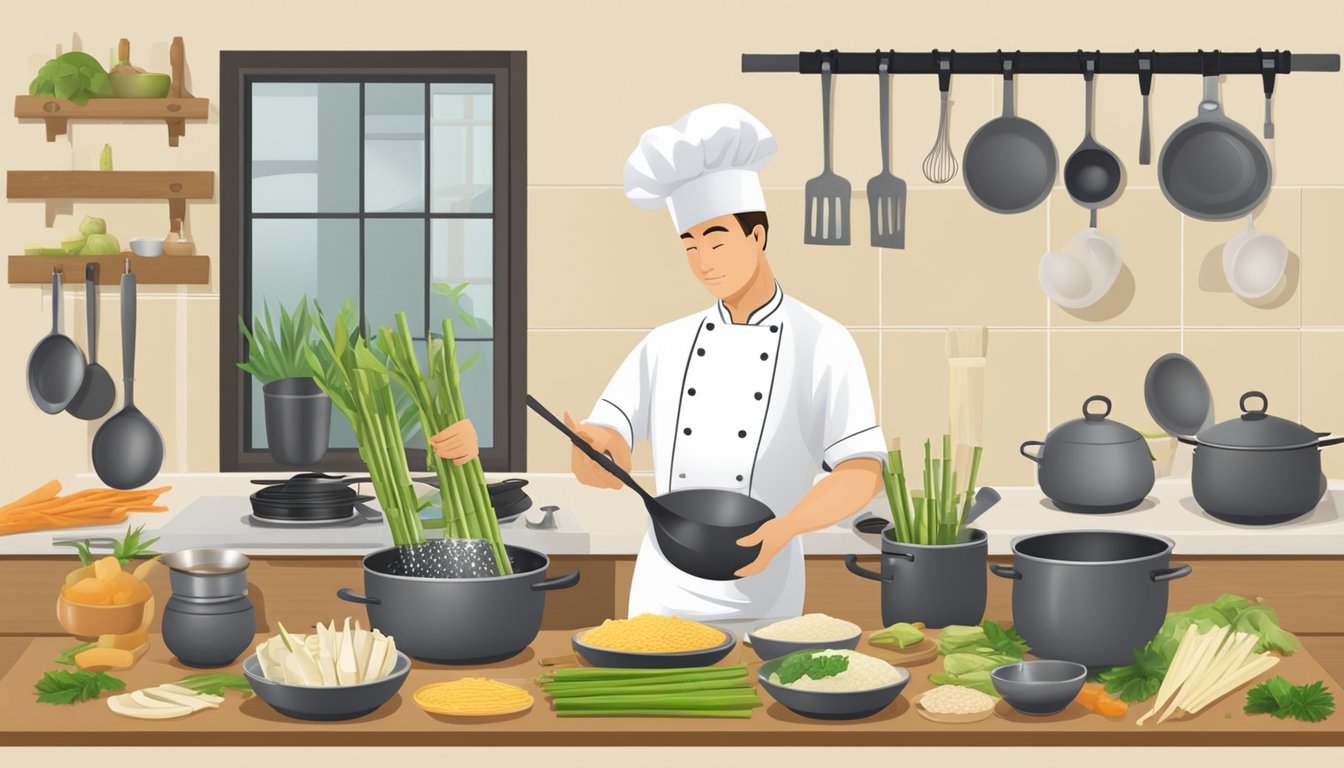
(1093, 464)
(1256, 469)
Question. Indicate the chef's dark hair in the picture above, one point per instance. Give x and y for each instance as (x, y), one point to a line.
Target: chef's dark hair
(748, 221)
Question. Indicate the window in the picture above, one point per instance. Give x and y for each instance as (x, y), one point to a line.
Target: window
(393, 180)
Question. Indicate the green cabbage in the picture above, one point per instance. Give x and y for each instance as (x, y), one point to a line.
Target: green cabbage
(101, 245)
(75, 76)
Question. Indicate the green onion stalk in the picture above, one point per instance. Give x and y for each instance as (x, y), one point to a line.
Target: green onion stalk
(937, 515)
(467, 512)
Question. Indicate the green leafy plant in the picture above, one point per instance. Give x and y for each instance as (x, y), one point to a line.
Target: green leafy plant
(64, 687)
(811, 664)
(970, 653)
(130, 547)
(454, 295)
(1279, 698)
(75, 76)
(273, 355)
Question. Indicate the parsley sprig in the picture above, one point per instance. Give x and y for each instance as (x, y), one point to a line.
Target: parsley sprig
(1279, 698)
(65, 687)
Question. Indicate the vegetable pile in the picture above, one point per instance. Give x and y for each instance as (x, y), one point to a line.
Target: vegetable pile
(163, 702)
(899, 635)
(971, 653)
(44, 508)
(75, 76)
(1141, 680)
(329, 657)
(1207, 666)
(796, 666)
(1280, 698)
(931, 517)
(719, 692)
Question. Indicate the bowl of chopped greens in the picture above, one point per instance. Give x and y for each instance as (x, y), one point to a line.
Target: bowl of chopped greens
(833, 683)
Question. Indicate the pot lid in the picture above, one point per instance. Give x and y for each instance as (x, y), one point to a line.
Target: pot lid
(1093, 428)
(1178, 396)
(1257, 429)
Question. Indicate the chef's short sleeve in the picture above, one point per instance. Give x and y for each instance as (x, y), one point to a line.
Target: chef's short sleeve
(624, 405)
(849, 422)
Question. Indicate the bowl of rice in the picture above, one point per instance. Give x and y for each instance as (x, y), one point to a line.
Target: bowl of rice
(650, 641)
(812, 631)
(848, 685)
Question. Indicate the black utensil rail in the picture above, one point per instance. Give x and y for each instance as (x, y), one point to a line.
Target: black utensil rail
(1260, 62)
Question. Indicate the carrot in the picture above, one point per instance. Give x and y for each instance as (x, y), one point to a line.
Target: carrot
(1089, 695)
(1094, 698)
(1112, 707)
(92, 506)
(45, 492)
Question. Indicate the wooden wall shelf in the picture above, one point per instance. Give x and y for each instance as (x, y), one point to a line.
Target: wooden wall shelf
(174, 186)
(56, 113)
(158, 270)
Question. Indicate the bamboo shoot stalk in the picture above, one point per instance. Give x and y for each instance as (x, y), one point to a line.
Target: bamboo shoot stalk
(907, 506)
(576, 674)
(1239, 677)
(894, 501)
(946, 490)
(1175, 672)
(970, 485)
(1229, 657)
(715, 713)
(1199, 663)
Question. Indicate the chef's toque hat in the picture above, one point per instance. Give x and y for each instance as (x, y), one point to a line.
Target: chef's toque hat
(702, 166)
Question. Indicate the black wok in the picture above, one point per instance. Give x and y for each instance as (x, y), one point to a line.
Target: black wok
(697, 530)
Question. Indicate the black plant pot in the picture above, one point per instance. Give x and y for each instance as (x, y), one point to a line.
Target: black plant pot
(298, 421)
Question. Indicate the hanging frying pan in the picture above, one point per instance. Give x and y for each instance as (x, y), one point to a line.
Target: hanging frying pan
(1212, 168)
(1010, 163)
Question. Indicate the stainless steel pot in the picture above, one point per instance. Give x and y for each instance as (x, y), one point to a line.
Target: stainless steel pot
(1090, 596)
(459, 621)
(1093, 464)
(207, 573)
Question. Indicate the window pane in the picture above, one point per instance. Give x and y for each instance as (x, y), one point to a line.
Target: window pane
(462, 277)
(462, 147)
(394, 147)
(478, 387)
(305, 147)
(394, 272)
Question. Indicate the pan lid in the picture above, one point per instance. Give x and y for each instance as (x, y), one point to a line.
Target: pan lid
(1094, 428)
(1178, 395)
(1257, 429)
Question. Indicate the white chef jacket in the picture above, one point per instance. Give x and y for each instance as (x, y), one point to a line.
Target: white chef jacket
(754, 408)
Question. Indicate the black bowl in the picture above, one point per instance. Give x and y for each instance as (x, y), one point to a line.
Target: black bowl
(606, 657)
(1039, 687)
(832, 705)
(326, 702)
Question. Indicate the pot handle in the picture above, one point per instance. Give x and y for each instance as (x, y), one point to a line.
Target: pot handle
(350, 597)
(1004, 571)
(1023, 449)
(1088, 415)
(1264, 404)
(1329, 442)
(852, 563)
(1169, 574)
(1188, 440)
(559, 582)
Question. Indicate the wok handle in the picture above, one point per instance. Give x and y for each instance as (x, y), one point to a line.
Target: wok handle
(1005, 572)
(1329, 442)
(1023, 449)
(852, 564)
(559, 582)
(350, 597)
(1169, 574)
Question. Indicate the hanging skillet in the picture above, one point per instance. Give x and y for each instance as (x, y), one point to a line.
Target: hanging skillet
(1010, 163)
(1212, 168)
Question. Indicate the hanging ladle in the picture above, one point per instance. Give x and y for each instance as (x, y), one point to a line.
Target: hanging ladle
(697, 530)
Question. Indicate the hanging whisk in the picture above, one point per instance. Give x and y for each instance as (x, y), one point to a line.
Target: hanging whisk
(940, 166)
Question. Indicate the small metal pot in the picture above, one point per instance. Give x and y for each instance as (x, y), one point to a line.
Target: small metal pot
(207, 573)
(1093, 464)
(938, 585)
(1090, 596)
(459, 621)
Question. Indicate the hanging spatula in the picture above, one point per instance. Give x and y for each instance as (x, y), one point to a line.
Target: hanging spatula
(886, 192)
(827, 221)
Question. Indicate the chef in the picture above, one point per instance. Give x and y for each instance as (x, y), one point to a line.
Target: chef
(753, 395)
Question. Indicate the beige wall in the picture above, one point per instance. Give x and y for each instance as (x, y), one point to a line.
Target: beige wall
(602, 273)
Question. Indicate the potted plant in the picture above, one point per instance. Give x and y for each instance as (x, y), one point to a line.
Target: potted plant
(298, 412)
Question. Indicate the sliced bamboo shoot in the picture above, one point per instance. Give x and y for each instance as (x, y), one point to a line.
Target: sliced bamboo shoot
(346, 669)
(1175, 672)
(1208, 646)
(363, 646)
(1234, 654)
(143, 699)
(1261, 664)
(127, 706)
(195, 702)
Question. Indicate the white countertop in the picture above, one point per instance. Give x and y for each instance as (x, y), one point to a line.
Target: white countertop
(614, 522)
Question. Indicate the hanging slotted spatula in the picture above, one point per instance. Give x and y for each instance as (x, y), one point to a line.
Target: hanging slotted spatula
(827, 221)
(886, 192)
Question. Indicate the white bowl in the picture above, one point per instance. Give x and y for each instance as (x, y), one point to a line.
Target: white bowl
(147, 246)
(1254, 262)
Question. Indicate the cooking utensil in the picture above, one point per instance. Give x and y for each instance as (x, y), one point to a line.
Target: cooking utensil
(1083, 271)
(459, 621)
(1039, 687)
(207, 572)
(1177, 395)
(326, 702)
(1212, 168)
(827, 213)
(1090, 597)
(606, 657)
(832, 705)
(1010, 163)
(127, 449)
(1093, 464)
(886, 192)
(96, 392)
(1254, 262)
(209, 619)
(1145, 88)
(936, 584)
(1092, 174)
(772, 649)
(56, 366)
(1267, 73)
(940, 165)
(697, 530)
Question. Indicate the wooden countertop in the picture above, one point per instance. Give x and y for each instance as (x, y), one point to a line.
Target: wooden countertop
(399, 722)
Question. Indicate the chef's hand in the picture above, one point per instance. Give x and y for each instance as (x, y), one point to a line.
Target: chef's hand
(773, 536)
(457, 443)
(605, 440)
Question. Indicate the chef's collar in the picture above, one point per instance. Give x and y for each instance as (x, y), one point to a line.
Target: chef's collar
(759, 314)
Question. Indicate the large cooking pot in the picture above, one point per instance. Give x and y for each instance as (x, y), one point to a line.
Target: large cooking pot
(459, 621)
(1253, 470)
(938, 585)
(1089, 596)
(1093, 464)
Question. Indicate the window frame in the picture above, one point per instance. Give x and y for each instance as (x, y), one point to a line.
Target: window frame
(508, 73)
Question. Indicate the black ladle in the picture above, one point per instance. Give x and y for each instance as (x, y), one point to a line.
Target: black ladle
(56, 366)
(697, 530)
(96, 394)
(127, 449)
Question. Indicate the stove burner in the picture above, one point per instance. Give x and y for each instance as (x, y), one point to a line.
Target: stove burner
(308, 497)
